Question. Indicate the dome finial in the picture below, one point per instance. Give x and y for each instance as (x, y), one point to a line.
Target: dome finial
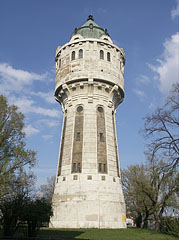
(90, 17)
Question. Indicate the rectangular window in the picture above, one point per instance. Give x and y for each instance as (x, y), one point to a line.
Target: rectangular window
(89, 177)
(75, 177)
(101, 137)
(100, 167)
(78, 136)
(79, 168)
(74, 167)
(104, 167)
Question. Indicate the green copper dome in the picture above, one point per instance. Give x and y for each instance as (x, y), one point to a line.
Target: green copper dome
(90, 29)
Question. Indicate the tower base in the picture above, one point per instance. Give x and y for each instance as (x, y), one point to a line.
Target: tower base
(101, 206)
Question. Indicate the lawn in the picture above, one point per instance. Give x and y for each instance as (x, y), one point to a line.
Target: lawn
(104, 234)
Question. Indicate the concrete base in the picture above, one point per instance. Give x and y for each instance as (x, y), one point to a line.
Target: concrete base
(88, 205)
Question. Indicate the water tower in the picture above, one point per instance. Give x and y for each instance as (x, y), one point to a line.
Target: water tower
(89, 86)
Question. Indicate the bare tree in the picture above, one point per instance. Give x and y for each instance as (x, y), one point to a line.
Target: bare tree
(161, 129)
(48, 189)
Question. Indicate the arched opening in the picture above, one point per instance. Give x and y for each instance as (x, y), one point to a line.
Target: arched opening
(108, 57)
(73, 55)
(101, 54)
(80, 53)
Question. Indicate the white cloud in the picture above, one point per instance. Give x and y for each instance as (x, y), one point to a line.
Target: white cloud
(139, 93)
(143, 79)
(49, 122)
(48, 97)
(29, 130)
(12, 79)
(175, 12)
(167, 69)
(47, 137)
(27, 105)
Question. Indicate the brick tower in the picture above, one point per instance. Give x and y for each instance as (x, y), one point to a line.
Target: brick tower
(89, 86)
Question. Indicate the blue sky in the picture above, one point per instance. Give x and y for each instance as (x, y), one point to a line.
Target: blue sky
(31, 30)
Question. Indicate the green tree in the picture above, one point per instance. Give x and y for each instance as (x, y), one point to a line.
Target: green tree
(12, 203)
(138, 205)
(13, 155)
(149, 189)
(35, 213)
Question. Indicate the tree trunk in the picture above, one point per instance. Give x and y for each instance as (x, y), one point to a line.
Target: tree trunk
(138, 221)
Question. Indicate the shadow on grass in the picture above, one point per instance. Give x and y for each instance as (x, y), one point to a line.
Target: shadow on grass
(61, 234)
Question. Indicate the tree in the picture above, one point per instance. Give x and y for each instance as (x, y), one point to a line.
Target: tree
(13, 202)
(35, 213)
(149, 189)
(48, 189)
(137, 203)
(162, 128)
(13, 154)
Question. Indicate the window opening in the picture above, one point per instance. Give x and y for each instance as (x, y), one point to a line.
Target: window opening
(100, 167)
(108, 57)
(100, 109)
(80, 53)
(74, 167)
(78, 136)
(73, 55)
(79, 109)
(104, 167)
(79, 168)
(101, 54)
(101, 137)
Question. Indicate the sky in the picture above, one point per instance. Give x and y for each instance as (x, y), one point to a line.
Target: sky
(31, 30)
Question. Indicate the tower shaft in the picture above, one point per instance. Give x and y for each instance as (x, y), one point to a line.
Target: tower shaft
(89, 85)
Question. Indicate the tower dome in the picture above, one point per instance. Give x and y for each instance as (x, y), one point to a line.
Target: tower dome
(90, 29)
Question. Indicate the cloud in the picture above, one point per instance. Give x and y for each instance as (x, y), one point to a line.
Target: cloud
(139, 93)
(29, 130)
(48, 97)
(167, 67)
(49, 122)
(27, 105)
(47, 137)
(175, 12)
(12, 79)
(143, 79)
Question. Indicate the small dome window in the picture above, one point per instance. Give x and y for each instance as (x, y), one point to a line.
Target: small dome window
(108, 57)
(73, 55)
(76, 38)
(80, 53)
(91, 26)
(101, 54)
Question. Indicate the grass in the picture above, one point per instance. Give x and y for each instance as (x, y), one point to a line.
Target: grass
(104, 234)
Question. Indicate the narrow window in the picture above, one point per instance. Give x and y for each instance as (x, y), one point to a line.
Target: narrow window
(101, 54)
(79, 168)
(74, 167)
(73, 55)
(108, 57)
(104, 168)
(59, 63)
(78, 136)
(100, 167)
(101, 137)
(80, 53)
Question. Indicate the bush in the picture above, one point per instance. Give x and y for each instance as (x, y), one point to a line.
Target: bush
(170, 225)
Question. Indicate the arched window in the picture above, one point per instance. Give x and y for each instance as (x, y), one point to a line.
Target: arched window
(101, 54)
(80, 53)
(108, 57)
(73, 55)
